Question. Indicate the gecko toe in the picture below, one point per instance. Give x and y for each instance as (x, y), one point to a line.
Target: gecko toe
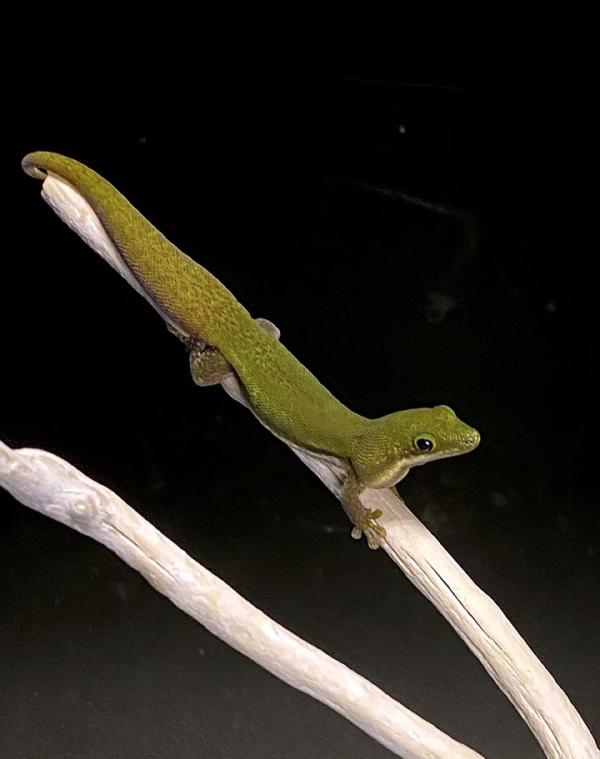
(369, 526)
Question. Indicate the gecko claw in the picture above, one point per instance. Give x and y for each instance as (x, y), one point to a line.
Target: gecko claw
(373, 531)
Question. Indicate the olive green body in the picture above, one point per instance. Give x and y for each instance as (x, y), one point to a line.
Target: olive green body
(282, 392)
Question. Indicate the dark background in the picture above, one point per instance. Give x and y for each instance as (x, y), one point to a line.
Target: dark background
(418, 241)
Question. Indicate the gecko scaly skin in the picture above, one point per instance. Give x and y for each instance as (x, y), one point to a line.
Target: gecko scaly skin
(223, 337)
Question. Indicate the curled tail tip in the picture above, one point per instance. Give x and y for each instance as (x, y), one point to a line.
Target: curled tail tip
(35, 164)
(40, 162)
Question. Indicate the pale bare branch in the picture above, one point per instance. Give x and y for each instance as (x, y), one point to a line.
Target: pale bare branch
(477, 619)
(52, 486)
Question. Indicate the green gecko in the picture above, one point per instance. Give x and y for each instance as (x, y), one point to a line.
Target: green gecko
(223, 338)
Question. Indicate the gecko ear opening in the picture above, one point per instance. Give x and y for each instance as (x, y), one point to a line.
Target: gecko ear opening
(375, 466)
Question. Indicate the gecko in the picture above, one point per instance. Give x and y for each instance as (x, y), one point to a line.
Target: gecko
(223, 338)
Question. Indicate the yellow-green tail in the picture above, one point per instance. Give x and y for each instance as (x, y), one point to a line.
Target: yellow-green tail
(193, 299)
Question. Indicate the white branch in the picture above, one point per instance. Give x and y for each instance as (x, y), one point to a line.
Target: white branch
(57, 489)
(477, 619)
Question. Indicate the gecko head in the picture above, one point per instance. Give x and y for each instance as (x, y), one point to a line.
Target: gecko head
(393, 444)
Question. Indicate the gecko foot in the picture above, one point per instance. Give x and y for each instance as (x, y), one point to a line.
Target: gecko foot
(364, 519)
(368, 525)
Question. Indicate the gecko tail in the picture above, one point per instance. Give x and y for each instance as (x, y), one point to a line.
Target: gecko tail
(186, 295)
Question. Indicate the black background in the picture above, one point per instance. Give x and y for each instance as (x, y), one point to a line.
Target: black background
(347, 209)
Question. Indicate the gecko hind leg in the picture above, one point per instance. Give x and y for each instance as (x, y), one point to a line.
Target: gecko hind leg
(363, 518)
(269, 327)
(209, 366)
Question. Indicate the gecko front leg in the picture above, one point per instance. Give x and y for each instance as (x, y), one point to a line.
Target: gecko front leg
(363, 518)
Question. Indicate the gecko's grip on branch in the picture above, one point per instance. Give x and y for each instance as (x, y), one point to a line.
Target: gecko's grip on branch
(476, 618)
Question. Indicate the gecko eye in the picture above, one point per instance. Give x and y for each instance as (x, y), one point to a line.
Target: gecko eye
(424, 444)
